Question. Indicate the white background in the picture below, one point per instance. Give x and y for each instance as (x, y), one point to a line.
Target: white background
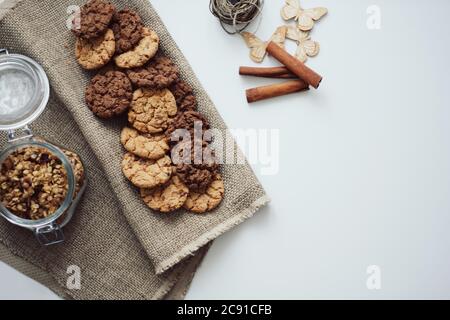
(364, 162)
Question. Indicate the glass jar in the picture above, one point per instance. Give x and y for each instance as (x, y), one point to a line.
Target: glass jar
(24, 93)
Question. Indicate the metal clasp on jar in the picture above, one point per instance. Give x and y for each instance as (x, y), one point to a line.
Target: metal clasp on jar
(49, 234)
(24, 134)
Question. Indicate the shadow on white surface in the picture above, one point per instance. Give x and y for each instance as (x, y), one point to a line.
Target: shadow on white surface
(15, 286)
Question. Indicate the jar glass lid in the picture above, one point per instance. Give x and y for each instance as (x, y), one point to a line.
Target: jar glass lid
(24, 90)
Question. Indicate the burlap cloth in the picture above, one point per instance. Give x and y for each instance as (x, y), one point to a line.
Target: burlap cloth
(124, 250)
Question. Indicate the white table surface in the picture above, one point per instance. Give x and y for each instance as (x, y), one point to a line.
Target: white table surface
(364, 162)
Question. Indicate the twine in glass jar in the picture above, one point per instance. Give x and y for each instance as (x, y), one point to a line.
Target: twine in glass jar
(236, 15)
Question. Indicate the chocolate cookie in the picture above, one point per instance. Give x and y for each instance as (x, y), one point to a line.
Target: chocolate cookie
(195, 152)
(189, 120)
(195, 164)
(127, 27)
(208, 199)
(96, 52)
(195, 178)
(95, 17)
(184, 95)
(109, 94)
(167, 198)
(144, 51)
(151, 110)
(158, 73)
(146, 173)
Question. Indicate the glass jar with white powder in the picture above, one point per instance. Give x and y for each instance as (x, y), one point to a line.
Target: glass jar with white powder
(40, 183)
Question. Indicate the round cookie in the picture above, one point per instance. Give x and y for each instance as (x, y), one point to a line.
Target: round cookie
(142, 53)
(194, 177)
(146, 173)
(144, 145)
(207, 200)
(94, 53)
(158, 74)
(127, 27)
(195, 166)
(109, 94)
(189, 120)
(194, 151)
(151, 110)
(184, 95)
(167, 198)
(95, 17)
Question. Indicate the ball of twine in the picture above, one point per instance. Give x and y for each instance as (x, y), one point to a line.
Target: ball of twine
(236, 15)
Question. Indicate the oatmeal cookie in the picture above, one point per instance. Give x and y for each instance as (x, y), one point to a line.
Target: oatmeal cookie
(207, 200)
(158, 74)
(142, 53)
(167, 198)
(95, 17)
(151, 110)
(96, 52)
(109, 94)
(144, 145)
(127, 27)
(146, 173)
(184, 95)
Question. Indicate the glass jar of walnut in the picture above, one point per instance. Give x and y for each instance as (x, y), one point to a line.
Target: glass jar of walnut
(40, 183)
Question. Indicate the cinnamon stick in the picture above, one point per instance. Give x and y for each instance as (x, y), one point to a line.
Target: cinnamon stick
(294, 65)
(271, 72)
(275, 90)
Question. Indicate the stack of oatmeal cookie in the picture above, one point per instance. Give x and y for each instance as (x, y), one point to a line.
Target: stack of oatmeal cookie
(168, 156)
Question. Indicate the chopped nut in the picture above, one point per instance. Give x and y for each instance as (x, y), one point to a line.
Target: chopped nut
(31, 188)
(78, 170)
